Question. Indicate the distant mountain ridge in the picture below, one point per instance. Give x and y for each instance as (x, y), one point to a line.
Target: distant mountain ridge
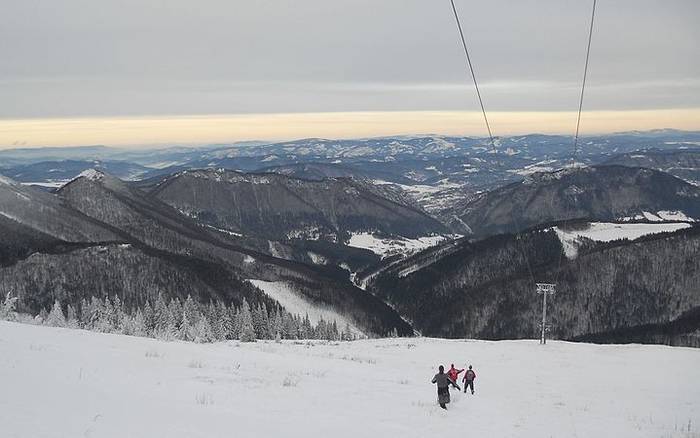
(281, 207)
(594, 193)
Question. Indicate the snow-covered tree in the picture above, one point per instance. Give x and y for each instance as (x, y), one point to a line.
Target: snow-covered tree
(118, 315)
(225, 320)
(247, 331)
(56, 318)
(186, 331)
(175, 307)
(72, 317)
(149, 321)
(164, 322)
(202, 331)
(7, 307)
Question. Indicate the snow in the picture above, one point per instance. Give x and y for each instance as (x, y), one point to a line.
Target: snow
(606, 232)
(221, 230)
(91, 174)
(297, 304)
(317, 258)
(6, 181)
(395, 245)
(164, 164)
(248, 259)
(673, 216)
(49, 184)
(69, 383)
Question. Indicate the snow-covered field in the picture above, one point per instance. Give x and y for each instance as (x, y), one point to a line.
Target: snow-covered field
(607, 232)
(389, 246)
(68, 383)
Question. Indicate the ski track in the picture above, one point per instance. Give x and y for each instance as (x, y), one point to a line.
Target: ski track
(71, 383)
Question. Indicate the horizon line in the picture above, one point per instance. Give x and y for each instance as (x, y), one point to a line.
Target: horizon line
(210, 129)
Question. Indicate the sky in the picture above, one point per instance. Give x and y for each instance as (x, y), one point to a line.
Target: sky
(135, 72)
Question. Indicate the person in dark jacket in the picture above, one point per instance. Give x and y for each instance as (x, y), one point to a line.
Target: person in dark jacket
(468, 379)
(443, 382)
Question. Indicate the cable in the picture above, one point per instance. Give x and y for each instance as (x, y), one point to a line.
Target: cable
(471, 69)
(519, 244)
(583, 85)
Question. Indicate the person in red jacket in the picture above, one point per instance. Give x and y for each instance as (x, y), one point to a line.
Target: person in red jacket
(468, 379)
(453, 373)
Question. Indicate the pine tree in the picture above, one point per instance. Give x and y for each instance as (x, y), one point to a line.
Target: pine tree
(185, 331)
(164, 322)
(226, 322)
(276, 324)
(175, 308)
(247, 331)
(214, 321)
(334, 331)
(118, 316)
(106, 316)
(71, 317)
(7, 307)
(305, 330)
(235, 322)
(139, 324)
(42, 316)
(347, 333)
(190, 308)
(149, 321)
(259, 322)
(202, 331)
(84, 314)
(56, 318)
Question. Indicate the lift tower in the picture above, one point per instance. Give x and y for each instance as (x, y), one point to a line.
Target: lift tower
(545, 289)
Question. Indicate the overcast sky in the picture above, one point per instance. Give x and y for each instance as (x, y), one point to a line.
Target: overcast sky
(75, 58)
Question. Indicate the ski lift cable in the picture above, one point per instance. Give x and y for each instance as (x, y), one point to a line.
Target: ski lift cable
(488, 127)
(519, 243)
(583, 85)
(578, 119)
(471, 70)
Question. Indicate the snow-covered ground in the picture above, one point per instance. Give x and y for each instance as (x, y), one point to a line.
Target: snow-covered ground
(606, 232)
(390, 246)
(69, 383)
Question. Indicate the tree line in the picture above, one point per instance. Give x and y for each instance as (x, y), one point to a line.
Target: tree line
(174, 319)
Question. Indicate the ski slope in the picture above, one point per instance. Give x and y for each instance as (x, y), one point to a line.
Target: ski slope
(70, 383)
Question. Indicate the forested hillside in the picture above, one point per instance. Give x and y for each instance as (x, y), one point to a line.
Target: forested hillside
(486, 289)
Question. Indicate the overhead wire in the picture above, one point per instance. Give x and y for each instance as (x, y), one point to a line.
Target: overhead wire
(471, 69)
(488, 126)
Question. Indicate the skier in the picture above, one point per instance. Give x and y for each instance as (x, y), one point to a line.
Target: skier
(454, 372)
(443, 384)
(468, 379)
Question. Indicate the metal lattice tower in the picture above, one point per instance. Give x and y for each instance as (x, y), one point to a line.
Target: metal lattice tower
(545, 289)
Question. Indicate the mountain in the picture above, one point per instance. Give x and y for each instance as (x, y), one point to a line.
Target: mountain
(105, 237)
(60, 172)
(605, 193)
(486, 288)
(279, 207)
(683, 163)
(47, 214)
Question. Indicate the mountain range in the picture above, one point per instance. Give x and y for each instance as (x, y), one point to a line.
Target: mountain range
(442, 235)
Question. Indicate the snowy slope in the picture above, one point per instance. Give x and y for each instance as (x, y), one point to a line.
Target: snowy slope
(390, 246)
(606, 232)
(296, 304)
(65, 383)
